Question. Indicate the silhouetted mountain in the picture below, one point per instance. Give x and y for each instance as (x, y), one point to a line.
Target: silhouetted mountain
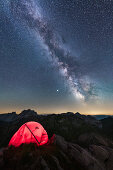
(7, 117)
(81, 142)
(99, 117)
(27, 113)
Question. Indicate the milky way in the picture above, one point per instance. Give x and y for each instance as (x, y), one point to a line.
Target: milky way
(29, 12)
(76, 37)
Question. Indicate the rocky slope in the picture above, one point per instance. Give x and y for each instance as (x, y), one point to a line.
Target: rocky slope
(81, 143)
(61, 155)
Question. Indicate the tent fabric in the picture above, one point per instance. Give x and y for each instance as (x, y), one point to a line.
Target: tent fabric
(30, 132)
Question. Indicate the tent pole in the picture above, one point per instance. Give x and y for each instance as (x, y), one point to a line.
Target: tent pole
(32, 134)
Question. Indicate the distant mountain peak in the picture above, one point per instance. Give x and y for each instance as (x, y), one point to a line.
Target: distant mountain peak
(28, 112)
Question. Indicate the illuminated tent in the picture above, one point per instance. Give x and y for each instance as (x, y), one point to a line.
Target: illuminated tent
(30, 132)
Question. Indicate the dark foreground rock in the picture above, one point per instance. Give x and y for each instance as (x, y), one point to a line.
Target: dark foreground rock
(82, 143)
(61, 155)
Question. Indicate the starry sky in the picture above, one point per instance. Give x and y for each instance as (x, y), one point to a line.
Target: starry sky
(56, 56)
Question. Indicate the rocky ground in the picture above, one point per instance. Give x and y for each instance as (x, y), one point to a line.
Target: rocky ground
(61, 155)
(80, 143)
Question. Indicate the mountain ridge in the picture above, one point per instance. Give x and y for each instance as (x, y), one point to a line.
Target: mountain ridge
(81, 142)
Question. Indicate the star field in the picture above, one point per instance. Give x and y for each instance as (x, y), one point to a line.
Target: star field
(56, 56)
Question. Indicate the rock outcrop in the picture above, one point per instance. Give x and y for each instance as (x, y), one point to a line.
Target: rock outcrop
(60, 155)
(82, 143)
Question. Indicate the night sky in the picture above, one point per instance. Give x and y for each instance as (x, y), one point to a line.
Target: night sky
(56, 56)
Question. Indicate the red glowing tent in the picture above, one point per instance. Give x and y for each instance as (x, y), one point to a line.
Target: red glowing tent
(30, 132)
